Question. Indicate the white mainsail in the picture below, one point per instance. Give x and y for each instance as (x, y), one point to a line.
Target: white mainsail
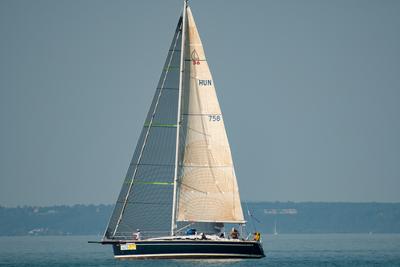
(208, 190)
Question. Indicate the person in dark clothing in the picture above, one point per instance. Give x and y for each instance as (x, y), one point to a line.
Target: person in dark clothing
(203, 236)
(234, 233)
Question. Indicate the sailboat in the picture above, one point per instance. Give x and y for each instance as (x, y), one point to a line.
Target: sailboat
(275, 230)
(180, 190)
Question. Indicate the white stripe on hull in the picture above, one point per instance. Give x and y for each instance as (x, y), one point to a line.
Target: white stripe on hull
(194, 244)
(187, 255)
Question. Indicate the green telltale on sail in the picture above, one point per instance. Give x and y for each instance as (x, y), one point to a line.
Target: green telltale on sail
(149, 183)
(169, 68)
(155, 124)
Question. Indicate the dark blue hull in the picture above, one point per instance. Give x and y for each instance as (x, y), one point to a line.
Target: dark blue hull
(193, 249)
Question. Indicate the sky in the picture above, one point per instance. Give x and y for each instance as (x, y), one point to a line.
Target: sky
(310, 92)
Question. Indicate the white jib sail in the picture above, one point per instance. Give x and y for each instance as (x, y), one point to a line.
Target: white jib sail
(208, 190)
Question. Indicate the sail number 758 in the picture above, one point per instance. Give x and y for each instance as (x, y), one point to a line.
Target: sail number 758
(214, 117)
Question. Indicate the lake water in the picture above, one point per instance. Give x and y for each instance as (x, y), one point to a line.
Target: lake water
(282, 250)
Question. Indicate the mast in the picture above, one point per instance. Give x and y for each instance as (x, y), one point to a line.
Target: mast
(183, 29)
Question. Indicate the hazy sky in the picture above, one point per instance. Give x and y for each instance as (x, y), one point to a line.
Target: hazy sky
(310, 92)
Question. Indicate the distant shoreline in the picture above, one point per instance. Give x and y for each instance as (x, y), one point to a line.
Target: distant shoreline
(248, 202)
(289, 218)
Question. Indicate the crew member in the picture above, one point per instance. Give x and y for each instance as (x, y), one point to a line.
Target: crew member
(257, 236)
(203, 236)
(136, 236)
(234, 233)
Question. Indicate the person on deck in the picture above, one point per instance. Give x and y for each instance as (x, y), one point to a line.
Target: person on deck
(203, 236)
(136, 236)
(257, 236)
(234, 233)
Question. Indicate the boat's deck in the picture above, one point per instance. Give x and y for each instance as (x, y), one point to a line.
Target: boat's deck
(192, 237)
(180, 238)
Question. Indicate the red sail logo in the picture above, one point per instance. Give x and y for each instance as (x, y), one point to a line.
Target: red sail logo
(195, 57)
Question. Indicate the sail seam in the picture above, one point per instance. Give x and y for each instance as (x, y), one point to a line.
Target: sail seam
(188, 60)
(202, 114)
(146, 203)
(207, 166)
(159, 125)
(167, 88)
(191, 187)
(153, 164)
(148, 183)
(171, 68)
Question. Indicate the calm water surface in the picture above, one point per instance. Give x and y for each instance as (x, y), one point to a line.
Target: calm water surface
(282, 250)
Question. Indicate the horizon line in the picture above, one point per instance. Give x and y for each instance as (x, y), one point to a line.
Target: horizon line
(242, 202)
